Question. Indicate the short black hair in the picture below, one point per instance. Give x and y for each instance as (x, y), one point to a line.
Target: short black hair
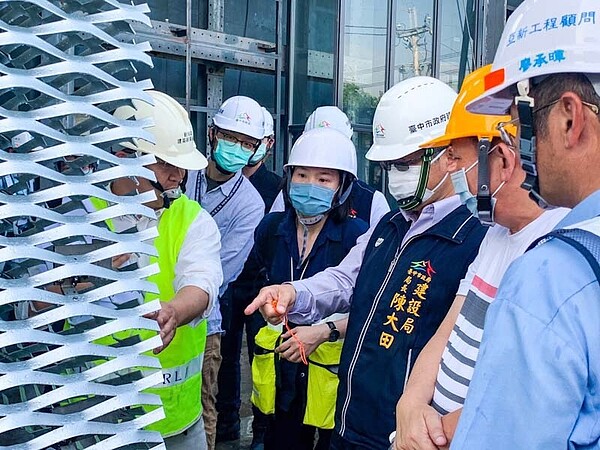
(552, 87)
(337, 214)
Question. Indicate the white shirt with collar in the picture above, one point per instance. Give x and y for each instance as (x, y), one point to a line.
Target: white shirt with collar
(198, 263)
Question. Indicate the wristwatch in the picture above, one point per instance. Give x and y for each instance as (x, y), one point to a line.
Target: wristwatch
(334, 333)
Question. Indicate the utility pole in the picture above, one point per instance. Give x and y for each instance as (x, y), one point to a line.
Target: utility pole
(414, 39)
(412, 35)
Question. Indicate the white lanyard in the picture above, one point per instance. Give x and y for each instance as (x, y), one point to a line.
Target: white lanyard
(292, 269)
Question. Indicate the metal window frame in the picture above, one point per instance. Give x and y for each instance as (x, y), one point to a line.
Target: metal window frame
(217, 51)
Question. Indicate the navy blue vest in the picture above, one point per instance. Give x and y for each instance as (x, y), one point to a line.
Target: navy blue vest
(400, 298)
(362, 200)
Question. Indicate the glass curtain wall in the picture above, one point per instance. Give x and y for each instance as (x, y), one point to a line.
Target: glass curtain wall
(456, 59)
(424, 37)
(313, 43)
(413, 39)
(365, 37)
(364, 69)
(175, 12)
(254, 19)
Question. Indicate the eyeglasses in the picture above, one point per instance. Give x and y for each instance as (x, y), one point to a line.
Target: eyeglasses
(246, 145)
(167, 166)
(403, 164)
(595, 109)
(508, 139)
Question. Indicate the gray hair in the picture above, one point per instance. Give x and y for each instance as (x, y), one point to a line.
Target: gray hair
(551, 88)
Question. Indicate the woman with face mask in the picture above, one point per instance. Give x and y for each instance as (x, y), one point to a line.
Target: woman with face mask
(294, 369)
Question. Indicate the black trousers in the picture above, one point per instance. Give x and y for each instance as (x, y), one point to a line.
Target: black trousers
(339, 443)
(286, 430)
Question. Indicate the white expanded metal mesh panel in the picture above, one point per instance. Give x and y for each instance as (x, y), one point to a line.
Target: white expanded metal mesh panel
(65, 66)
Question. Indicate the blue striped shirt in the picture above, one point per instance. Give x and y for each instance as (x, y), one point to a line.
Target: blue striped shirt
(236, 218)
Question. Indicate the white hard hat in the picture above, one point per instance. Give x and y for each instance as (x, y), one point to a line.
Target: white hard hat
(268, 122)
(242, 115)
(323, 147)
(408, 115)
(172, 131)
(329, 117)
(542, 38)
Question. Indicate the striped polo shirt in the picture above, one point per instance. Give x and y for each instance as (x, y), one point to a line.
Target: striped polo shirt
(498, 250)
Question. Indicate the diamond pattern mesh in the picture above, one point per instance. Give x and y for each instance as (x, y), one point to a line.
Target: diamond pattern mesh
(65, 66)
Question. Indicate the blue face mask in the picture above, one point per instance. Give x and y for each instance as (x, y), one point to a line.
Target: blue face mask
(259, 155)
(461, 187)
(310, 200)
(229, 156)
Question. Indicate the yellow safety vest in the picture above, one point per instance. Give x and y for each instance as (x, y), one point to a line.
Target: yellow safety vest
(322, 378)
(99, 204)
(181, 361)
(322, 385)
(263, 369)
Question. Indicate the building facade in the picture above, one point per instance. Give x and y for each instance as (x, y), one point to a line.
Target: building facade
(295, 55)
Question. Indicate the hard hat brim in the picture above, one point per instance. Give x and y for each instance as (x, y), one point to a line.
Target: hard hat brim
(191, 161)
(316, 166)
(446, 140)
(380, 153)
(495, 102)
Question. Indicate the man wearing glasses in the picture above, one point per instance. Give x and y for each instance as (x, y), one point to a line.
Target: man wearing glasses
(536, 381)
(399, 281)
(237, 207)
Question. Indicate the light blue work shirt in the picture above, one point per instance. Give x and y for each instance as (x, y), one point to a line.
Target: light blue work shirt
(535, 385)
(237, 219)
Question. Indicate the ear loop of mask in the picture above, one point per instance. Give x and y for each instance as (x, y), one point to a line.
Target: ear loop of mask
(444, 178)
(485, 201)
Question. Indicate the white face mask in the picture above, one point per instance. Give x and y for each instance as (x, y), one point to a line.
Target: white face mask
(429, 192)
(403, 184)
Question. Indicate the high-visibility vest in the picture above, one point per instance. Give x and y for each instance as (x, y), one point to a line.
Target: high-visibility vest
(181, 361)
(99, 204)
(263, 369)
(322, 385)
(322, 378)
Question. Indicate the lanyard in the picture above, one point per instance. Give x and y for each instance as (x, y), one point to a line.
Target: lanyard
(292, 269)
(226, 200)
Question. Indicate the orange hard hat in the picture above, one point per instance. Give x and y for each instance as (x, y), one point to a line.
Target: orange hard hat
(463, 124)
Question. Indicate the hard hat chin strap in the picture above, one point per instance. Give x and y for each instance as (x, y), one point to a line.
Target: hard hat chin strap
(485, 210)
(528, 143)
(343, 196)
(168, 195)
(410, 203)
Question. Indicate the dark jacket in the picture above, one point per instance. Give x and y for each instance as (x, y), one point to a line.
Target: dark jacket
(239, 293)
(401, 296)
(362, 200)
(268, 185)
